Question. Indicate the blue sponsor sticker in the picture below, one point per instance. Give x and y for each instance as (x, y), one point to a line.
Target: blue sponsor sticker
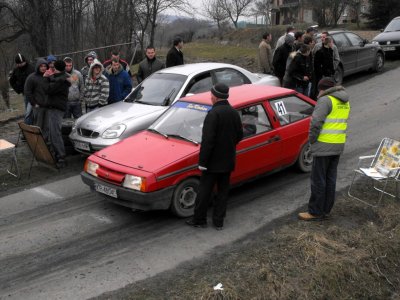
(194, 106)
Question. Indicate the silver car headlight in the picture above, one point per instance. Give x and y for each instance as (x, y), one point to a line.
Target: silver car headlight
(375, 42)
(114, 131)
(134, 183)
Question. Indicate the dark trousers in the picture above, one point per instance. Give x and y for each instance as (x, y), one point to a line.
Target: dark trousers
(54, 121)
(40, 119)
(323, 184)
(207, 182)
(74, 109)
(28, 117)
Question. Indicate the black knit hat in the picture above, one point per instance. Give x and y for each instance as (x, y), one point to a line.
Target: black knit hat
(19, 58)
(326, 83)
(59, 65)
(220, 90)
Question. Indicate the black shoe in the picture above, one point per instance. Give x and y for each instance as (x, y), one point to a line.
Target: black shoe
(23, 139)
(218, 227)
(61, 163)
(193, 223)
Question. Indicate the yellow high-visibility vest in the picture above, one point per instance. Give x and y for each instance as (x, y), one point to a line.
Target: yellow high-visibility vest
(334, 129)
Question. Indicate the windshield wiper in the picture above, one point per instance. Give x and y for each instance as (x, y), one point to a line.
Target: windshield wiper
(168, 98)
(183, 138)
(156, 131)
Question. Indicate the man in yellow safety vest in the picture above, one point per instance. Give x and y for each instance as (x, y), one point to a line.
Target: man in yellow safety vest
(327, 137)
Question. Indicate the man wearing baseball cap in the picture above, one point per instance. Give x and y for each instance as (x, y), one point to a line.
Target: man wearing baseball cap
(327, 137)
(222, 130)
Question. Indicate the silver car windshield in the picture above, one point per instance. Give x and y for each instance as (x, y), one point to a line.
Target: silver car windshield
(183, 120)
(394, 25)
(158, 89)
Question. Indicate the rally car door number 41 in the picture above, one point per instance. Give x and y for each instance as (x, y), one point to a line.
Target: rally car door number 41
(280, 108)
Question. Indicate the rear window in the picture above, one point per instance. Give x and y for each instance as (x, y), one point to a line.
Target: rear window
(291, 109)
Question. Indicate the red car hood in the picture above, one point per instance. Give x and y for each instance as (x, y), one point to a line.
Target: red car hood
(148, 151)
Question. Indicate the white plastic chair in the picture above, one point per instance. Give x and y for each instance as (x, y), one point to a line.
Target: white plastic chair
(6, 146)
(383, 169)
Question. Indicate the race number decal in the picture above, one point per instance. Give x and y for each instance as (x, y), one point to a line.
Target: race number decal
(280, 108)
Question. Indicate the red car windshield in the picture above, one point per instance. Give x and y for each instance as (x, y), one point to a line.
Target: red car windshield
(182, 120)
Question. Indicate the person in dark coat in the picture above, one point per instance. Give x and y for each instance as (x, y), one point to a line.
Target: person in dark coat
(281, 55)
(58, 88)
(175, 55)
(222, 131)
(298, 73)
(149, 65)
(17, 82)
(36, 92)
(324, 64)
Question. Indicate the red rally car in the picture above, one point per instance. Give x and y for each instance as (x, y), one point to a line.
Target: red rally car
(158, 168)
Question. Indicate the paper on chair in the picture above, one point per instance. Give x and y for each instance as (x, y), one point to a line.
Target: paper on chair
(371, 172)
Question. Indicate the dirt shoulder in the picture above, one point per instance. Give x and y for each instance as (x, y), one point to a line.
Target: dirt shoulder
(353, 255)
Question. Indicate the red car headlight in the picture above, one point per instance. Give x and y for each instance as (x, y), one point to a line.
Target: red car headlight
(91, 167)
(134, 183)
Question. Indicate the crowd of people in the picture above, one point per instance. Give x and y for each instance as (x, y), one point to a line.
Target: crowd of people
(54, 89)
(298, 60)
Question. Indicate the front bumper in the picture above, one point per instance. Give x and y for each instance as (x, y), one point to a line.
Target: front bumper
(90, 145)
(392, 49)
(133, 199)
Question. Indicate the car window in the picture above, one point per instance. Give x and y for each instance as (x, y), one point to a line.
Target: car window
(230, 77)
(200, 84)
(158, 89)
(355, 40)
(254, 120)
(340, 40)
(291, 109)
(394, 25)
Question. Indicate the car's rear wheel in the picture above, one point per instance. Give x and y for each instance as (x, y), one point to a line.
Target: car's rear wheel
(379, 62)
(304, 162)
(184, 198)
(339, 75)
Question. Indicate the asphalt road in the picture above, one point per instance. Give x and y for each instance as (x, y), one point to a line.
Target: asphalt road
(59, 241)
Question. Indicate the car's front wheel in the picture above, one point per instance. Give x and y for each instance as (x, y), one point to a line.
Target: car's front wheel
(304, 162)
(379, 62)
(184, 198)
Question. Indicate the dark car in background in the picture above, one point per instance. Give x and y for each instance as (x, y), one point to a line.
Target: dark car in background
(389, 39)
(356, 54)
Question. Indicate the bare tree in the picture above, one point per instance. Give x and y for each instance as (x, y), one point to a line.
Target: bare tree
(32, 17)
(214, 10)
(236, 9)
(328, 12)
(262, 8)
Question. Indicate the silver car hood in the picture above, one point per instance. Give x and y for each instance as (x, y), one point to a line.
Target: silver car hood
(116, 113)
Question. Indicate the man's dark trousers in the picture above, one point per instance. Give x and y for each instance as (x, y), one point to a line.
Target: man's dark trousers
(207, 182)
(54, 121)
(323, 184)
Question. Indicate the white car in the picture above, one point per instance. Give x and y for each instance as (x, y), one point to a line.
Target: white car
(110, 124)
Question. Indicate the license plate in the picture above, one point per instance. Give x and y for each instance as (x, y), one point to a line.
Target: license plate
(109, 191)
(82, 145)
(389, 48)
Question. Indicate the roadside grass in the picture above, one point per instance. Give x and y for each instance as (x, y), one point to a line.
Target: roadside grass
(353, 255)
(17, 108)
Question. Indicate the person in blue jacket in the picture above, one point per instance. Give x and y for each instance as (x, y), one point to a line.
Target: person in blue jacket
(120, 82)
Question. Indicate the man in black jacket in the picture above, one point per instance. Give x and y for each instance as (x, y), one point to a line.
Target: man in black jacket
(57, 91)
(17, 82)
(175, 55)
(149, 65)
(222, 130)
(281, 55)
(36, 92)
